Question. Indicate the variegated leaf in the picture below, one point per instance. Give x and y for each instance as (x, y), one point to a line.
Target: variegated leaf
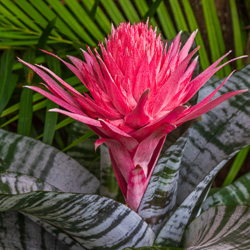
(28, 156)
(154, 248)
(222, 131)
(16, 183)
(160, 196)
(220, 228)
(95, 222)
(172, 232)
(238, 193)
(19, 232)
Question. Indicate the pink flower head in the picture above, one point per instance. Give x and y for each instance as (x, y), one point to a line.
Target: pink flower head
(137, 95)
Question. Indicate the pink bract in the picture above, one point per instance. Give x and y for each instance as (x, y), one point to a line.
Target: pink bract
(137, 95)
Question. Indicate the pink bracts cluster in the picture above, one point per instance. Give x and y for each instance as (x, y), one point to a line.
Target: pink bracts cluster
(137, 95)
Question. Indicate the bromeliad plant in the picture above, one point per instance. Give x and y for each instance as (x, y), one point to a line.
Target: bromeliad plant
(139, 91)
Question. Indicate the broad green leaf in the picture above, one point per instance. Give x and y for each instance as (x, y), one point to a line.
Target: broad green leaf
(160, 196)
(222, 131)
(6, 80)
(151, 11)
(19, 232)
(172, 232)
(220, 228)
(95, 222)
(237, 193)
(28, 156)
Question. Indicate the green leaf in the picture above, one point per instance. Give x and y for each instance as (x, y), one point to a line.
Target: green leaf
(204, 61)
(112, 10)
(25, 114)
(83, 17)
(6, 79)
(129, 10)
(237, 32)
(221, 132)
(237, 193)
(31, 157)
(178, 15)
(45, 35)
(159, 198)
(220, 228)
(166, 21)
(236, 166)
(88, 219)
(151, 11)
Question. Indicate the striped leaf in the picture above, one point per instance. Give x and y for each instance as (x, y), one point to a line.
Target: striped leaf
(172, 232)
(220, 228)
(221, 132)
(28, 156)
(19, 232)
(238, 193)
(93, 221)
(16, 183)
(154, 248)
(160, 195)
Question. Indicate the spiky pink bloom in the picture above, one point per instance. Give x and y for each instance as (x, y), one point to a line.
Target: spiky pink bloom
(137, 95)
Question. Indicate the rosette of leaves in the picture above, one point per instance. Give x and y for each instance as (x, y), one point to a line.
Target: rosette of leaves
(49, 201)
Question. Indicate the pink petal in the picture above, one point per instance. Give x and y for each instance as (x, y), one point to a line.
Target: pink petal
(70, 66)
(208, 106)
(80, 118)
(168, 90)
(185, 49)
(121, 157)
(202, 78)
(57, 100)
(53, 85)
(138, 118)
(124, 139)
(167, 119)
(146, 149)
(136, 187)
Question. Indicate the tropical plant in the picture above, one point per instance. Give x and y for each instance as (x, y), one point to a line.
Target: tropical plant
(50, 201)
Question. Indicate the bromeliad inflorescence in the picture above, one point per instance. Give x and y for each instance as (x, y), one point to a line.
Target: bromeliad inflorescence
(137, 94)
